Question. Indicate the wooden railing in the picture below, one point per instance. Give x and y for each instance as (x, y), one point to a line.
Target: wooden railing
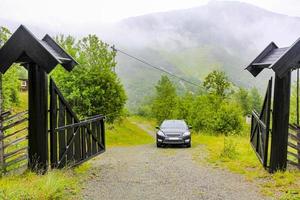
(294, 145)
(13, 141)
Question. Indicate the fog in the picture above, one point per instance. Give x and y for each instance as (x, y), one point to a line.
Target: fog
(190, 42)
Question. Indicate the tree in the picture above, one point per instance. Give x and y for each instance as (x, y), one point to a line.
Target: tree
(184, 107)
(244, 100)
(217, 83)
(10, 80)
(165, 100)
(255, 99)
(92, 87)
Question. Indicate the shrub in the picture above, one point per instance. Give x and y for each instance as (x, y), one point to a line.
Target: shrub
(230, 149)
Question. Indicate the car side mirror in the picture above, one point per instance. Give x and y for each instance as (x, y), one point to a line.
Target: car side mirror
(157, 127)
(190, 127)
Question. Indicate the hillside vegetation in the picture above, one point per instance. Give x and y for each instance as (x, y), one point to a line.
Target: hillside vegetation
(193, 42)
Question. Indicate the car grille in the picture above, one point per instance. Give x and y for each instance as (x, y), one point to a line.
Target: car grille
(180, 141)
(173, 134)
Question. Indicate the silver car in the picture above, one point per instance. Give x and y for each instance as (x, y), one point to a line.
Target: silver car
(173, 132)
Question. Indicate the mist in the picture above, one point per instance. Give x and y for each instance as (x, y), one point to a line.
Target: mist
(190, 42)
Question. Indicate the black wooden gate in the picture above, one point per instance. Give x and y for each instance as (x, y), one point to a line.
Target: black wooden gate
(72, 141)
(260, 128)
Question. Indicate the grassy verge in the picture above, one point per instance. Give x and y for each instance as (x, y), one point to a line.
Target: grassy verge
(126, 133)
(56, 184)
(235, 154)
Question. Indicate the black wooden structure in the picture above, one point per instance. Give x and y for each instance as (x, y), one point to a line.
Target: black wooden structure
(282, 61)
(40, 57)
(72, 141)
(260, 128)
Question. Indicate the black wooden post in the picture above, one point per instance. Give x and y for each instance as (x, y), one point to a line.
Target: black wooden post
(38, 123)
(281, 108)
(1, 132)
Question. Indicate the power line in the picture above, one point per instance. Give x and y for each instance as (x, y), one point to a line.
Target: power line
(153, 66)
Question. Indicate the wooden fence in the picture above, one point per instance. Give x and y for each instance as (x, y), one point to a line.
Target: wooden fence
(294, 145)
(13, 141)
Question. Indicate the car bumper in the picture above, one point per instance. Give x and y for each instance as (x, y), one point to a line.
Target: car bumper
(173, 140)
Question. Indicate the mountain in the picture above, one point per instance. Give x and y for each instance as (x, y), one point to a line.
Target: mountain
(193, 42)
(189, 43)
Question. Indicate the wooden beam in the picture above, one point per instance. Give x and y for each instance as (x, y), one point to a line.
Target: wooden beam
(2, 164)
(281, 108)
(38, 124)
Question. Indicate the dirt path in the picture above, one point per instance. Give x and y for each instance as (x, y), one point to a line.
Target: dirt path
(145, 172)
(146, 128)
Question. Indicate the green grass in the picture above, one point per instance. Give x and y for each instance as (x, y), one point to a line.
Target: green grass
(55, 184)
(240, 158)
(126, 133)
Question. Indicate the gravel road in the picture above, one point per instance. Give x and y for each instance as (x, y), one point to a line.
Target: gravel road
(146, 172)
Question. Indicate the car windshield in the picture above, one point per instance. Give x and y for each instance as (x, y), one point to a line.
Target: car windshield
(173, 124)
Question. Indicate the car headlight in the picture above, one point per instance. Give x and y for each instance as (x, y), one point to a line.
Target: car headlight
(186, 134)
(160, 133)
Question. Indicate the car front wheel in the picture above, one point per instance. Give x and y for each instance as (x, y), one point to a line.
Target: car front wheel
(188, 145)
(158, 145)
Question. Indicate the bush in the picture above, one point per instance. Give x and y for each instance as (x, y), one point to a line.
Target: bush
(211, 113)
(229, 119)
(230, 149)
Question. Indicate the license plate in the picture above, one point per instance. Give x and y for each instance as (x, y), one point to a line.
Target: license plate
(173, 138)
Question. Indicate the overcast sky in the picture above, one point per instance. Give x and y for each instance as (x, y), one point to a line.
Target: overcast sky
(106, 11)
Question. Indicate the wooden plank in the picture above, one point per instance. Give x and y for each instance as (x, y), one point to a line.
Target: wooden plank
(19, 159)
(77, 146)
(16, 141)
(80, 123)
(293, 137)
(62, 133)
(83, 133)
(293, 146)
(293, 163)
(88, 142)
(13, 153)
(15, 133)
(1, 125)
(94, 141)
(293, 154)
(103, 133)
(98, 135)
(69, 137)
(16, 116)
(5, 114)
(53, 126)
(15, 123)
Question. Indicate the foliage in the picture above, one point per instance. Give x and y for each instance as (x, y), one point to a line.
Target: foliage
(206, 110)
(229, 150)
(165, 100)
(255, 99)
(243, 98)
(10, 80)
(217, 83)
(56, 184)
(184, 107)
(280, 185)
(212, 113)
(92, 87)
